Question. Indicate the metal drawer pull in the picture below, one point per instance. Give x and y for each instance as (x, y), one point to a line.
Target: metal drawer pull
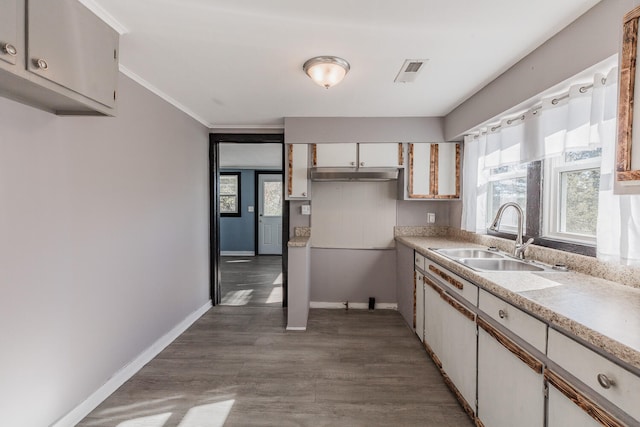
(361, 163)
(9, 49)
(605, 382)
(41, 64)
(502, 314)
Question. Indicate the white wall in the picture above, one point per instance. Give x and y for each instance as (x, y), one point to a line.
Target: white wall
(103, 245)
(592, 38)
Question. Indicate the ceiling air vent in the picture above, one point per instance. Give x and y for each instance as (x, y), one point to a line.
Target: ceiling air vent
(409, 70)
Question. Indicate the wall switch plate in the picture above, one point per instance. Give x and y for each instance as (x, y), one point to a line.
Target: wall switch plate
(305, 209)
(250, 208)
(431, 218)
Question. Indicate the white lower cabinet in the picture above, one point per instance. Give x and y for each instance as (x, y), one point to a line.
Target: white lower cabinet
(459, 349)
(434, 308)
(564, 413)
(510, 392)
(419, 306)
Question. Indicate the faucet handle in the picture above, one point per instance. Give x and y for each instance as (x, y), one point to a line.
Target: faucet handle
(519, 250)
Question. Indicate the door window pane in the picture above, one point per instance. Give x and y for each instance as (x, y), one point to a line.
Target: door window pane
(272, 193)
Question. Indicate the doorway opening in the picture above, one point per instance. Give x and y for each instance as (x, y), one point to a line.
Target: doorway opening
(249, 220)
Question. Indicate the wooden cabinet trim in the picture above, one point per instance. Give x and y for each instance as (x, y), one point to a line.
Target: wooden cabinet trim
(400, 155)
(314, 155)
(414, 298)
(433, 170)
(455, 304)
(625, 100)
(432, 355)
(290, 166)
(458, 163)
(446, 277)
(517, 351)
(411, 170)
(467, 408)
(435, 287)
(587, 405)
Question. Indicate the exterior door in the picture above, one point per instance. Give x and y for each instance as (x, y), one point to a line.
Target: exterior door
(270, 195)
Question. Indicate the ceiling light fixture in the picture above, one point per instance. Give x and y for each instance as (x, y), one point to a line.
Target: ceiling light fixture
(326, 71)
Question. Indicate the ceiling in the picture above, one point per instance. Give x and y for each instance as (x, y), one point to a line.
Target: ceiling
(238, 63)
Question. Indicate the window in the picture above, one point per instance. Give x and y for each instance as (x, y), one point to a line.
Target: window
(506, 184)
(230, 194)
(571, 196)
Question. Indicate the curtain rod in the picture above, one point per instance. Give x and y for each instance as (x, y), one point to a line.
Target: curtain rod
(535, 109)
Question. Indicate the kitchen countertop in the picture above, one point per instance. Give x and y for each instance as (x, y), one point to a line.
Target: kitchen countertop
(605, 314)
(298, 241)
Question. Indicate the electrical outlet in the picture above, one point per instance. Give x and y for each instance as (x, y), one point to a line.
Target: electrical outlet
(431, 218)
(250, 209)
(305, 210)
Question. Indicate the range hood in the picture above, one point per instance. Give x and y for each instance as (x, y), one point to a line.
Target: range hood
(354, 174)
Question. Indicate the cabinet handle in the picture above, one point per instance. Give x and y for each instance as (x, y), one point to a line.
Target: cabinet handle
(502, 314)
(41, 64)
(361, 163)
(605, 381)
(353, 163)
(9, 49)
(304, 194)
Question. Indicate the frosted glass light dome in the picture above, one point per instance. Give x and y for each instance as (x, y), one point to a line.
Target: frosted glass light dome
(326, 71)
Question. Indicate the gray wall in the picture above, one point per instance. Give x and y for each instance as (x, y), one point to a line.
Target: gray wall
(414, 213)
(590, 39)
(238, 233)
(363, 129)
(339, 275)
(104, 248)
(404, 278)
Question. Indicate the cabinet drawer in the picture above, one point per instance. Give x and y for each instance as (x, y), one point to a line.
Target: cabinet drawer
(453, 282)
(517, 321)
(588, 366)
(419, 260)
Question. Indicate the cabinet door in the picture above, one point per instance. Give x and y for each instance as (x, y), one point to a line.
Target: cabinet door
(419, 306)
(9, 49)
(563, 412)
(335, 155)
(459, 348)
(448, 171)
(434, 171)
(420, 170)
(434, 308)
(297, 177)
(510, 392)
(70, 46)
(380, 155)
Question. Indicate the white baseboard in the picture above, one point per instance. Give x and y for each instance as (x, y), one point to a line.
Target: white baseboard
(74, 416)
(296, 328)
(237, 253)
(353, 305)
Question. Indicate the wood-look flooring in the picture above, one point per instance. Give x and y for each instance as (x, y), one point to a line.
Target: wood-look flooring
(254, 281)
(238, 366)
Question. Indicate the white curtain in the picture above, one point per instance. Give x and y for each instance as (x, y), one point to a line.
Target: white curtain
(583, 118)
(618, 231)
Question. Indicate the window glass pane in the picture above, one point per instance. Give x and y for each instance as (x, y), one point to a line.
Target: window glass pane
(574, 156)
(579, 201)
(228, 204)
(508, 169)
(229, 184)
(272, 193)
(507, 190)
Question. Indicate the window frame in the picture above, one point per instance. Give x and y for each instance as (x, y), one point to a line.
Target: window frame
(552, 189)
(534, 215)
(238, 212)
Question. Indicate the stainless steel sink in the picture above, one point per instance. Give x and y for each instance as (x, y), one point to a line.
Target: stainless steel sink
(503, 264)
(469, 253)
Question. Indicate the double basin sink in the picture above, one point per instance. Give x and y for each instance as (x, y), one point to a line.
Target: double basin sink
(490, 260)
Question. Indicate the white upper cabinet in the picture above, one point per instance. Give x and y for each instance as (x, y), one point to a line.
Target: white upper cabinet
(86, 64)
(9, 41)
(335, 155)
(297, 171)
(58, 56)
(380, 155)
(434, 171)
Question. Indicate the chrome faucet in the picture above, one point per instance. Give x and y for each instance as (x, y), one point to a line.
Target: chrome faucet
(518, 250)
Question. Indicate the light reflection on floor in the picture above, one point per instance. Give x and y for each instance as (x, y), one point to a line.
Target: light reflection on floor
(209, 415)
(241, 297)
